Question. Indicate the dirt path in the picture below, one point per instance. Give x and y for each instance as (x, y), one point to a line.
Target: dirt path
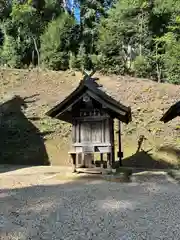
(12, 177)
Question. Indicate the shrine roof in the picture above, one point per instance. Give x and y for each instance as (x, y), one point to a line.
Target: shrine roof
(89, 86)
(171, 113)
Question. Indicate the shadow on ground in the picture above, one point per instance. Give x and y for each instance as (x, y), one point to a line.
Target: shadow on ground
(172, 151)
(145, 160)
(21, 142)
(8, 168)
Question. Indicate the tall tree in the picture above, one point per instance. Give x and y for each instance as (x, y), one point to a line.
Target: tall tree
(166, 16)
(57, 41)
(5, 9)
(124, 34)
(90, 13)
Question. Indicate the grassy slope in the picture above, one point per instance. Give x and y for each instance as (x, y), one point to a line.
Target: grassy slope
(147, 99)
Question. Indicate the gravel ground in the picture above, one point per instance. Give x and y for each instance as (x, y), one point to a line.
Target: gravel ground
(38, 207)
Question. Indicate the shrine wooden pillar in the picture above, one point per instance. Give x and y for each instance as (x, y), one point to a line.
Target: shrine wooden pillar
(119, 143)
(111, 129)
(101, 159)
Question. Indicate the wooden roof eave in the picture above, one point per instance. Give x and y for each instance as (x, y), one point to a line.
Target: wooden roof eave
(55, 110)
(124, 116)
(122, 112)
(70, 106)
(106, 97)
(172, 112)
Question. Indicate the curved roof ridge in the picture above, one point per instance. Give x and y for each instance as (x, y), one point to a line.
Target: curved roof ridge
(89, 84)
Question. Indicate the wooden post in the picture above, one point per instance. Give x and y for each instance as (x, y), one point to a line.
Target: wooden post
(74, 131)
(109, 160)
(79, 159)
(74, 156)
(112, 160)
(119, 143)
(88, 158)
(101, 157)
(83, 160)
(113, 148)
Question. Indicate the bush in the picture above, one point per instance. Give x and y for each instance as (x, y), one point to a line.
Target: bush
(110, 65)
(82, 60)
(141, 67)
(72, 61)
(171, 62)
(55, 43)
(97, 61)
(9, 53)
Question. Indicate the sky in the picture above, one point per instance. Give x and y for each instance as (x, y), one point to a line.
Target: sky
(70, 4)
(77, 13)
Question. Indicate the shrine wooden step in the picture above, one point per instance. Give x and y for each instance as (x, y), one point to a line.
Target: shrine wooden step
(91, 170)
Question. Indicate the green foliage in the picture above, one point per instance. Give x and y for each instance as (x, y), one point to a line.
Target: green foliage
(136, 37)
(72, 61)
(97, 61)
(55, 43)
(9, 53)
(171, 61)
(5, 9)
(171, 42)
(83, 59)
(124, 34)
(142, 67)
(25, 26)
(52, 10)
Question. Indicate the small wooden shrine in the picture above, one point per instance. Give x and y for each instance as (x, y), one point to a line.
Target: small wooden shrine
(91, 112)
(172, 112)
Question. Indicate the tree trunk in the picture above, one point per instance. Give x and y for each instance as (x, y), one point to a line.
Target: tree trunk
(158, 70)
(158, 73)
(37, 51)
